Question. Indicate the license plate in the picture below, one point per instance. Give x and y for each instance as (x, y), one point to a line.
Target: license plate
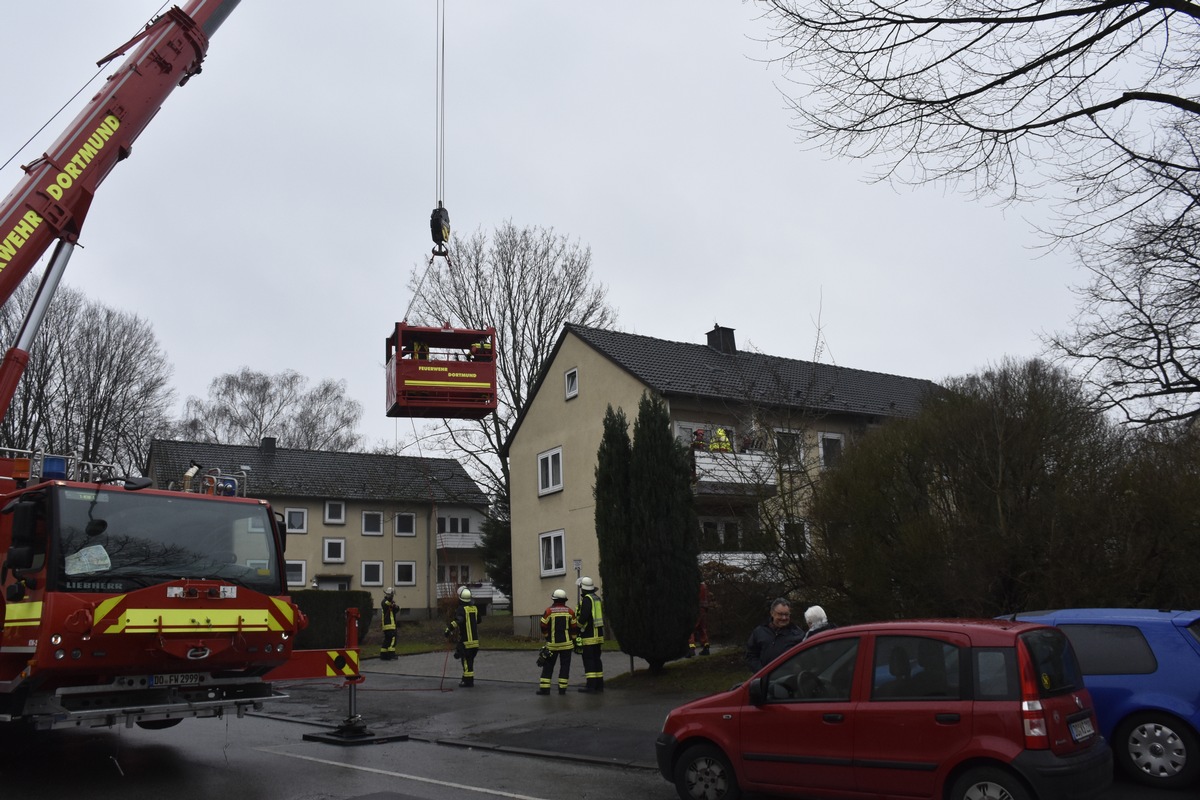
(177, 679)
(1082, 729)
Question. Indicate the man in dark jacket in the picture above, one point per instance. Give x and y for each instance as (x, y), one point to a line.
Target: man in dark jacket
(774, 637)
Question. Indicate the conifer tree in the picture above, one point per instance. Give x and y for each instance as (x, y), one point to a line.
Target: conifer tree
(652, 594)
(611, 492)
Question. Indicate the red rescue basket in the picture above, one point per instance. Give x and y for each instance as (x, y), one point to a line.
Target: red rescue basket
(441, 372)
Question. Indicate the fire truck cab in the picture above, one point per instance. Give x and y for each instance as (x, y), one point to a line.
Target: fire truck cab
(122, 604)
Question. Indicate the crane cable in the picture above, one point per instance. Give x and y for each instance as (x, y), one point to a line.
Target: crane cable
(439, 220)
(102, 66)
(440, 91)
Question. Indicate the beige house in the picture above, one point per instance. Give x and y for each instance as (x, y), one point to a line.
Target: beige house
(760, 427)
(354, 520)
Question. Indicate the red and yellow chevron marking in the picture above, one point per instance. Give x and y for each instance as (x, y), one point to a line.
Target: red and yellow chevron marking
(186, 619)
(310, 664)
(341, 663)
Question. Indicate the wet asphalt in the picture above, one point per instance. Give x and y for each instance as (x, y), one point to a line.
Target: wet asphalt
(418, 697)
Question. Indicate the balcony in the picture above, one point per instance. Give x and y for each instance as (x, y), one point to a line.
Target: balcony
(746, 474)
(459, 541)
(484, 593)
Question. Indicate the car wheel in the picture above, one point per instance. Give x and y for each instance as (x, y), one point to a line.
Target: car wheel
(704, 773)
(989, 783)
(1157, 750)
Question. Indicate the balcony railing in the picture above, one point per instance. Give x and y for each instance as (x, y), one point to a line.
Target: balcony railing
(481, 592)
(734, 473)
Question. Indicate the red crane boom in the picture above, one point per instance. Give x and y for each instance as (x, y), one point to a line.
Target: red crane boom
(52, 200)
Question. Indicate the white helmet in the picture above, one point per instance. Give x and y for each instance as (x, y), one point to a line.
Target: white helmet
(464, 594)
(559, 594)
(587, 585)
(389, 591)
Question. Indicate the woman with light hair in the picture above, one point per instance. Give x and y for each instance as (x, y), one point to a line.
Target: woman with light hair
(816, 620)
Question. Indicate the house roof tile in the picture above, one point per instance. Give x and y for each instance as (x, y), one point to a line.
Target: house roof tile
(282, 472)
(706, 373)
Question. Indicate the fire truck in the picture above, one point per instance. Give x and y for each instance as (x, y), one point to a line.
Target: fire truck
(121, 603)
(124, 604)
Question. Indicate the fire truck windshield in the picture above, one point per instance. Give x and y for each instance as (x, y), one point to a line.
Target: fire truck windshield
(111, 540)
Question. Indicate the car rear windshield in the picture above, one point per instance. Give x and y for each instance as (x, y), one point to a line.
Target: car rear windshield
(1054, 661)
(1111, 649)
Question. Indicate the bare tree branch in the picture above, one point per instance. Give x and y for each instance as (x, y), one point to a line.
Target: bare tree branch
(525, 282)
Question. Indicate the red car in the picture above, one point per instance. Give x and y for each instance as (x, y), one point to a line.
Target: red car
(945, 709)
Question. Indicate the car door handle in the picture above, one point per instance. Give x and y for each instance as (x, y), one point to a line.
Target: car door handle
(947, 719)
(833, 717)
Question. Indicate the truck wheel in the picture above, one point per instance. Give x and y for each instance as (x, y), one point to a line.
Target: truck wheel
(989, 783)
(704, 773)
(1156, 749)
(158, 724)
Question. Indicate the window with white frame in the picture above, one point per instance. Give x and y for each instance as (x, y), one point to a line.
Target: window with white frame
(721, 534)
(372, 573)
(333, 551)
(406, 524)
(372, 523)
(831, 449)
(571, 381)
(335, 512)
(553, 549)
(454, 524)
(456, 574)
(297, 520)
(297, 573)
(550, 478)
(406, 573)
(789, 449)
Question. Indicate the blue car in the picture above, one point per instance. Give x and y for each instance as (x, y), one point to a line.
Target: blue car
(1142, 668)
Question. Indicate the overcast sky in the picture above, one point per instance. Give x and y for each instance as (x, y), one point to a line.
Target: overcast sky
(271, 213)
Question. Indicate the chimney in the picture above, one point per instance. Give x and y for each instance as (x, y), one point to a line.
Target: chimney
(267, 448)
(721, 340)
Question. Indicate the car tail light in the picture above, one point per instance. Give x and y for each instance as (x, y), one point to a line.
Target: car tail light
(1033, 716)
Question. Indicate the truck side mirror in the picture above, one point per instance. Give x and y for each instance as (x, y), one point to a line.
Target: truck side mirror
(24, 526)
(19, 558)
(281, 531)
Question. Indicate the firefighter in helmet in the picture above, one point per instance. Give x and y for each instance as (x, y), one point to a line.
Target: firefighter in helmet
(559, 629)
(463, 630)
(481, 350)
(390, 609)
(591, 634)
